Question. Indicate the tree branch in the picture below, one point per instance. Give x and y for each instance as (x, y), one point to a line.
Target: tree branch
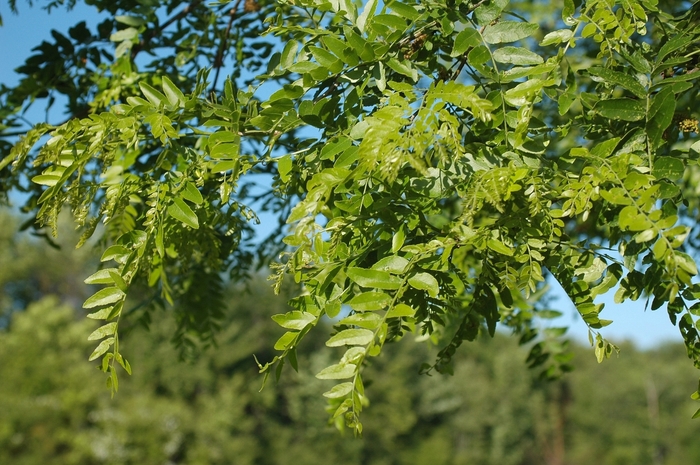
(219, 60)
(154, 32)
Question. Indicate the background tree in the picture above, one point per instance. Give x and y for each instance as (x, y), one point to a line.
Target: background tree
(430, 162)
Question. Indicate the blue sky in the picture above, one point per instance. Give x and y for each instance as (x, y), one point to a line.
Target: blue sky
(22, 32)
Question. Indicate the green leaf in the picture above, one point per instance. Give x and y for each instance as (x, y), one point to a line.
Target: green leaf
(593, 272)
(175, 97)
(104, 296)
(616, 196)
(326, 59)
(118, 280)
(675, 43)
(646, 235)
(333, 308)
(339, 390)
(368, 10)
(489, 11)
(557, 37)
(606, 148)
(397, 240)
(155, 97)
(696, 414)
(286, 340)
(101, 348)
(103, 331)
(338, 371)
(182, 212)
(403, 67)
(130, 34)
(631, 219)
(404, 10)
(621, 109)
(621, 79)
(289, 54)
(465, 40)
(47, 179)
(101, 277)
(369, 301)
(373, 278)
(191, 193)
(294, 320)
(392, 21)
(284, 167)
(351, 337)
(363, 320)
(686, 262)
(508, 31)
(500, 247)
(393, 264)
(400, 310)
(661, 114)
(525, 92)
(668, 168)
(425, 282)
(517, 56)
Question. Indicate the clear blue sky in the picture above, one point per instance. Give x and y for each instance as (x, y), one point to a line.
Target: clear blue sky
(24, 31)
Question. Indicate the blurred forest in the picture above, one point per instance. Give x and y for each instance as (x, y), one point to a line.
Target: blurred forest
(632, 409)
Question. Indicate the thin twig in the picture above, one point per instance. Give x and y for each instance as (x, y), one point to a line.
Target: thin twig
(219, 60)
(154, 32)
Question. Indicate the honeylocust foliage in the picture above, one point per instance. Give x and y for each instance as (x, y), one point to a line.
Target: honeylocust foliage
(431, 162)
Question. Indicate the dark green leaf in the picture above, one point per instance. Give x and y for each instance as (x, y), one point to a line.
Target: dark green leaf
(621, 109)
(661, 113)
(621, 79)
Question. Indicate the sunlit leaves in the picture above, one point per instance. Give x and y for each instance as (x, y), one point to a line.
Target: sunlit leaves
(337, 371)
(351, 337)
(433, 163)
(108, 295)
(182, 212)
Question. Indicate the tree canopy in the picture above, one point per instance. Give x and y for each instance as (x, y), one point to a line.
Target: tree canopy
(431, 163)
